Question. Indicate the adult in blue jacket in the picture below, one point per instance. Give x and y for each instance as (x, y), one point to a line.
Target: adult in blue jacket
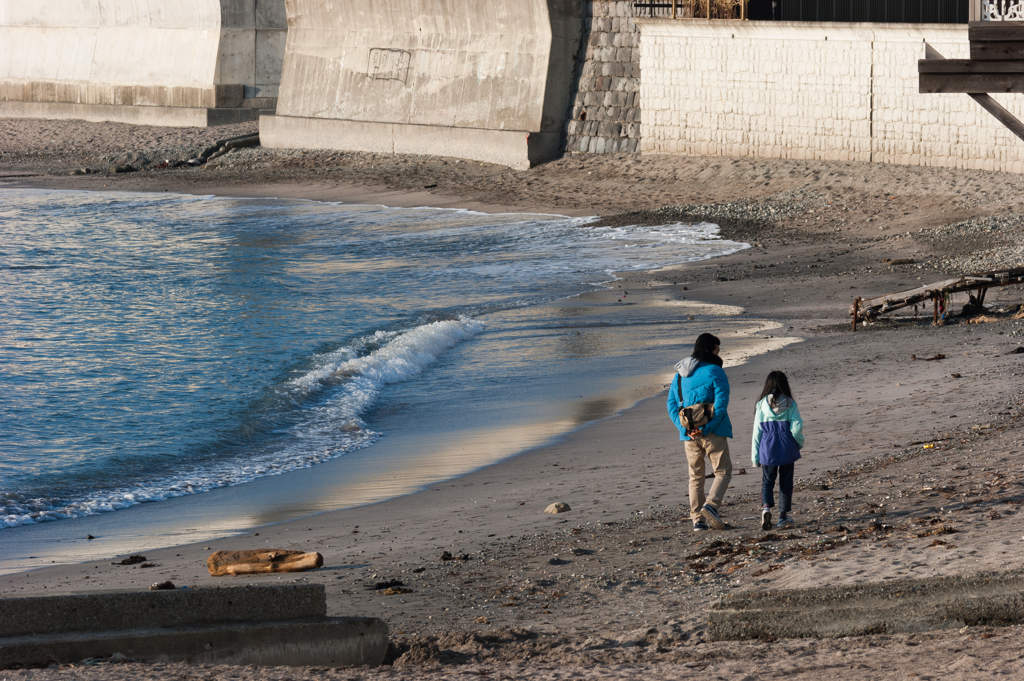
(701, 380)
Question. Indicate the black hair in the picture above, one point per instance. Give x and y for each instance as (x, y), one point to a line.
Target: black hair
(704, 349)
(776, 384)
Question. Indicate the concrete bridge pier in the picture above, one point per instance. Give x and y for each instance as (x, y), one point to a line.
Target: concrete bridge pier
(488, 81)
(183, 63)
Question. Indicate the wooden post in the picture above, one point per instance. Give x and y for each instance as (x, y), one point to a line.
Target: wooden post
(856, 310)
(935, 310)
(974, 13)
(707, 6)
(673, 9)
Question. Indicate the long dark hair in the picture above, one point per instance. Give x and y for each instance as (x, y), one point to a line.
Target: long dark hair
(704, 349)
(776, 384)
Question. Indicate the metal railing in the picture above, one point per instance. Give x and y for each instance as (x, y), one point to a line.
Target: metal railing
(883, 11)
(698, 9)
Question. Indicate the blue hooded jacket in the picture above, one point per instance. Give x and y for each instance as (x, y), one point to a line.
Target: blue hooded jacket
(700, 383)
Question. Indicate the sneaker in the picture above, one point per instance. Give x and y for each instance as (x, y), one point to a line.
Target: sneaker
(784, 521)
(766, 519)
(700, 526)
(710, 514)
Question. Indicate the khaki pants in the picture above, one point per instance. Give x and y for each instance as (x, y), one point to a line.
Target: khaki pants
(716, 448)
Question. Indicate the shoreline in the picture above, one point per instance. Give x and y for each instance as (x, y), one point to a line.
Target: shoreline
(226, 512)
(620, 584)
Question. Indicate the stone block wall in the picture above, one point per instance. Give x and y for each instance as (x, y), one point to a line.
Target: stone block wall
(814, 91)
(605, 116)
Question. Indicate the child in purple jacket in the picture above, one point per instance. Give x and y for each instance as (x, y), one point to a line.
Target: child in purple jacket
(775, 446)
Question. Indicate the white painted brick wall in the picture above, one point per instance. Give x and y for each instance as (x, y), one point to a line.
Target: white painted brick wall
(813, 91)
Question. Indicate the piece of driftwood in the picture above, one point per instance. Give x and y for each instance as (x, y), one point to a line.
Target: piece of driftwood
(258, 561)
(866, 309)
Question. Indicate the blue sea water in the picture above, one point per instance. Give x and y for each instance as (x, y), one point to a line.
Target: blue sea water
(157, 345)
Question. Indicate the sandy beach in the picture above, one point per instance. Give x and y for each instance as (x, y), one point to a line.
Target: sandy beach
(912, 468)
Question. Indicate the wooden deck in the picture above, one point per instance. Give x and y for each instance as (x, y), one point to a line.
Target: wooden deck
(996, 63)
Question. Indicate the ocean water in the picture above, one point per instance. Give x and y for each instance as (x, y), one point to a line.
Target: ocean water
(155, 345)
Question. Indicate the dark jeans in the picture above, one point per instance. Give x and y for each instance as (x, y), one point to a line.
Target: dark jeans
(785, 476)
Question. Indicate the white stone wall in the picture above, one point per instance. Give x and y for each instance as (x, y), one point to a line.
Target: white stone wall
(813, 91)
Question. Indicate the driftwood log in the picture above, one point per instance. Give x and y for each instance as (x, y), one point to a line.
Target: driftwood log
(257, 561)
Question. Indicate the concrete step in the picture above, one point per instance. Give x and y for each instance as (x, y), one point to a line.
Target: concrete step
(264, 625)
(99, 610)
(898, 606)
(327, 642)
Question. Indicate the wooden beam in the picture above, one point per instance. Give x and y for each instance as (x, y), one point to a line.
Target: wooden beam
(1002, 115)
(968, 66)
(997, 50)
(1011, 122)
(973, 83)
(989, 31)
(974, 11)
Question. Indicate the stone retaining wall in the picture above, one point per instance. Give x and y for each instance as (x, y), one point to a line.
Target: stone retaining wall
(605, 116)
(845, 92)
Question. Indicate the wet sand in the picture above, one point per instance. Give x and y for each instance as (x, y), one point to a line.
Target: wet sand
(620, 584)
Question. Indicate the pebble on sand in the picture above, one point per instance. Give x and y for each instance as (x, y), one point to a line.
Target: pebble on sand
(557, 507)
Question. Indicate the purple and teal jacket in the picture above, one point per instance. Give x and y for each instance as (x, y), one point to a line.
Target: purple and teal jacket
(778, 432)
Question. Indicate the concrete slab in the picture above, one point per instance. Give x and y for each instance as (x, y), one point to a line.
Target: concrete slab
(516, 149)
(265, 625)
(334, 642)
(167, 116)
(904, 606)
(104, 611)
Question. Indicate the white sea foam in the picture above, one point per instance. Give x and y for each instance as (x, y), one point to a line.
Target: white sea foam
(156, 410)
(331, 427)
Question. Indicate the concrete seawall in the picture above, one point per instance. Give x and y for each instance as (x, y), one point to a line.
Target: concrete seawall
(183, 63)
(487, 81)
(846, 92)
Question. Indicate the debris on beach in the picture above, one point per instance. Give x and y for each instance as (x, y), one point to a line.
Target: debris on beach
(939, 293)
(447, 555)
(392, 587)
(557, 507)
(380, 586)
(258, 561)
(132, 560)
(162, 586)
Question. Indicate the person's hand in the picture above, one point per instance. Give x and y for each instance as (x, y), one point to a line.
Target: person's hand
(696, 433)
